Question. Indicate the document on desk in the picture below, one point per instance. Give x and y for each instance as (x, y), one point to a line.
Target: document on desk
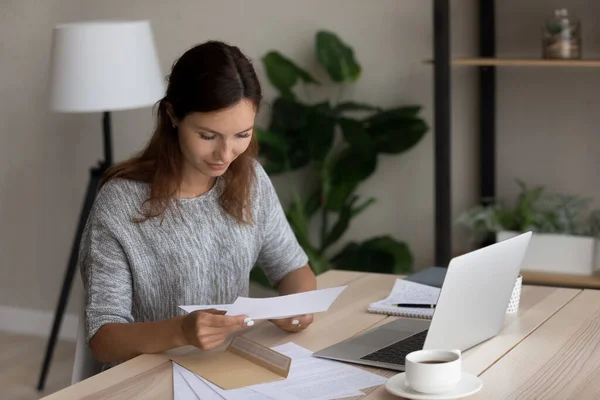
(310, 378)
(204, 390)
(182, 389)
(291, 305)
(185, 387)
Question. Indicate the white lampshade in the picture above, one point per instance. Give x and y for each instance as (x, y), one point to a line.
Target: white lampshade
(104, 66)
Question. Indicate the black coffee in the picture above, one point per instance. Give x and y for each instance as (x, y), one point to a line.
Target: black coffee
(434, 362)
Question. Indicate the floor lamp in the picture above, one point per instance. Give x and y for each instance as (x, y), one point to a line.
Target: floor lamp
(98, 66)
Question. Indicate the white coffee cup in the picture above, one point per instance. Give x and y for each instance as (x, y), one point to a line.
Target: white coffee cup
(433, 371)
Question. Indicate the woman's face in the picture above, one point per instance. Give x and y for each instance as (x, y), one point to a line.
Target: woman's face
(211, 141)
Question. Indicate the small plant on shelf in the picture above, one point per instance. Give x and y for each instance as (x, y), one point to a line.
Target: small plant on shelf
(535, 211)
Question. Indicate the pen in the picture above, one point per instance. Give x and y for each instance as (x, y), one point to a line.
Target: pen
(414, 305)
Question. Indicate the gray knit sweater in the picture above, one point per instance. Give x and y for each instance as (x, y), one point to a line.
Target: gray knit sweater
(142, 271)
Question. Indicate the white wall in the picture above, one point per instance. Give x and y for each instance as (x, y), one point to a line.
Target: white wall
(44, 157)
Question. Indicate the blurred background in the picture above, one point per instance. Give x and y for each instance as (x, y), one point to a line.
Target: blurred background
(547, 136)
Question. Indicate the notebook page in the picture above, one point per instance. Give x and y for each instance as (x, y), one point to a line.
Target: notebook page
(407, 292)
(412, 292)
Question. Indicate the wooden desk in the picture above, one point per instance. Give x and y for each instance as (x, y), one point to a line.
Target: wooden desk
(150, 376)
(538, 304)
(560, 360)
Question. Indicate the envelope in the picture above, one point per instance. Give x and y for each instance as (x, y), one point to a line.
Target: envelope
(243, 363)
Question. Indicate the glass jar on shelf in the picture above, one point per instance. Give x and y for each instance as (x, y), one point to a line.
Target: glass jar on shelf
(561, 37)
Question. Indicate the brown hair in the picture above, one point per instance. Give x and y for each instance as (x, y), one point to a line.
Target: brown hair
(208, 77)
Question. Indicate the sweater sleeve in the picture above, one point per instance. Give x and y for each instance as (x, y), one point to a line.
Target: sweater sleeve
(280, 252)
(104, 270)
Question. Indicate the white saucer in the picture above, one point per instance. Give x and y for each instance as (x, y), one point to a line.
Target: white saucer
(469, 384)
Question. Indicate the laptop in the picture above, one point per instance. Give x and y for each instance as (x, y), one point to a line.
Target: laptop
(471, 307)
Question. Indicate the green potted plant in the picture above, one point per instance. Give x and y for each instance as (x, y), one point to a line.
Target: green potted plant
(338, 144)
(565, 231)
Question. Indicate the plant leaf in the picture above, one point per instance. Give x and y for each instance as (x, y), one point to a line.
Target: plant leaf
(298, 219)
(524, 216)
(348, 258)
(341, 225)
(350, 165)
(349, 170)
(289, 119)
(339, 193)
(362, 207)
(318, 262)
(357, 136)
(272, 139)
(593, 224)
(403, 258)
(273, 151)
(280, 72)
(306, 77)
(320, 130)
(533, 211)
(273, 167)
(404, 112)
(287, 115)
(396, 130)
(326, 171)
(257, 275)
(313, 203)
(381, 254)
(299, 223)
(283, 73)
(401, 138)
(353, 106)
(336, 57)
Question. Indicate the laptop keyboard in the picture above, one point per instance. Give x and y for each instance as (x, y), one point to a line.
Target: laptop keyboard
(396, 352)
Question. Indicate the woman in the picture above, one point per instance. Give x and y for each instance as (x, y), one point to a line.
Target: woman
(185, 221)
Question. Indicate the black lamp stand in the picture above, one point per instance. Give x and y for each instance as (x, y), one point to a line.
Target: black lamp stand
(96, 174)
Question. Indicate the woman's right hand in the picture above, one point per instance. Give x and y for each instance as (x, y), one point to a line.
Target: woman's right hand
(207, 329)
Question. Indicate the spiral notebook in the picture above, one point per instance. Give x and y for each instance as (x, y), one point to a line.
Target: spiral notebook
(407, 292)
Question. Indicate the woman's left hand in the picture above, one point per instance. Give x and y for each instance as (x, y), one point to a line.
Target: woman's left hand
(294, 324)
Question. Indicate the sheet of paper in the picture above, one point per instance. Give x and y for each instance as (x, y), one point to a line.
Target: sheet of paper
(299, 353)
(238, 394)
(309, 392)
(222, 307)
(182, 390)
(277, 307)
(293, 350)
(314, 378)
(206, 390)
(286, 306)
(412, 292)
